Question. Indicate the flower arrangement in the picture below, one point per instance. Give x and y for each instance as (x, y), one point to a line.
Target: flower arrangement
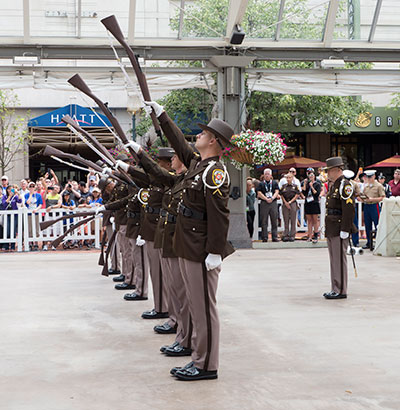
(255, 148)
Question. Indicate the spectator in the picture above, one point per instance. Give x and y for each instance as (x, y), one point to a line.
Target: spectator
(24, 189)
(73, 192)
(295, 181)
(67, 201)
(53, 201)
(382, 181)
(40, 190)
(96, 197)
(10, 201)
(33, 201)
(395, 183)
(92, 180)
(250, 211)
(4, 184)
(289, 194)
(268, 191)
(311, 191)
(83, 191)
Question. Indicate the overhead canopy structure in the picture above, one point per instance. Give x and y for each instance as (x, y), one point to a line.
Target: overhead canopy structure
(298, 162)
(392, 162)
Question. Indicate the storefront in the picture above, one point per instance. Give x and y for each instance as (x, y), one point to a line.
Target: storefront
(48, 129)
(373, 137)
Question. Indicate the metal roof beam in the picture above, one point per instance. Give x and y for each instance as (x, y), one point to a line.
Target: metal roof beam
(181, 15)
(131, 21)
(280, 16)
(375, 21)
(330, 22)
(237, 9)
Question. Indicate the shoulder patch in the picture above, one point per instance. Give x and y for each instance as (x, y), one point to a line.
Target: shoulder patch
(217, 176)
(143, 196)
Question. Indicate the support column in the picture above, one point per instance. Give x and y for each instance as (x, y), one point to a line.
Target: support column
(231, 108)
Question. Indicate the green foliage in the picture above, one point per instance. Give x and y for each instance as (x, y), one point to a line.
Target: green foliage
(13, 132)
(268, 111)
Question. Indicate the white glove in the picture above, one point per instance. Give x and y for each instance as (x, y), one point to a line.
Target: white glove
(107, 171)
(140, 241)
(134, 145)
(121, 164)
(112, 219)
(344, 235)
(100, 209)
(158, 109)
(213, 261)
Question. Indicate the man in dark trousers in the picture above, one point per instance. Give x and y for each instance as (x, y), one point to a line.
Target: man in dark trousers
(200, 239)
(338, 225)
(268, 191)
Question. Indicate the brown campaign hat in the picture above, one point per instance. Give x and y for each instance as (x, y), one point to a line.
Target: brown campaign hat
(334, 162)
(104, 181)
(165, 152)
(222, 130)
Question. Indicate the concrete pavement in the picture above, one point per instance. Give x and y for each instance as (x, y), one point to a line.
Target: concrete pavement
(70, 342)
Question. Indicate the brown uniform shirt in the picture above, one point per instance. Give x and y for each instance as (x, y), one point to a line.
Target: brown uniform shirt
(196, 237)
(289, 191)
(340, 209)
(374, 190)
(119, 192)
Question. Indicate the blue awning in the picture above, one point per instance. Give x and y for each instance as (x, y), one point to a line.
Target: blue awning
(84, 116)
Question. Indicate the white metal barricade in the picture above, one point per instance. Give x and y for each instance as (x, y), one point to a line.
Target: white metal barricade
(301, 225)
(28, 230)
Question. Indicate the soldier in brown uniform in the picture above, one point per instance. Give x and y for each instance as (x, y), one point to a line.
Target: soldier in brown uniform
(338, 225)
(153, 195)
(200, 239)
(178, 304)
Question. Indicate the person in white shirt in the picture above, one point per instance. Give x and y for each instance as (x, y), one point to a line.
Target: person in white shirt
(23, 190)
(296, 182)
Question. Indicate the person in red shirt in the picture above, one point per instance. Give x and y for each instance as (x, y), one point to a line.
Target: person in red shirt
(395, 183)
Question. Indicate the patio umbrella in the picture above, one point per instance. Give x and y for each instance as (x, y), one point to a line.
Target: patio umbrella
(392, 162)
(298, 162)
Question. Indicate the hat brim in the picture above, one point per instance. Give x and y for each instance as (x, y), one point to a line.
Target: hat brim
(224, 141)
(333, 166)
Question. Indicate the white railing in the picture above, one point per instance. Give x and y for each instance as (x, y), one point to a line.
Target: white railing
(28, 232)
(301, 225)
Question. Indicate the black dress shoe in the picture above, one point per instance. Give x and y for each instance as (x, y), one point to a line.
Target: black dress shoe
(134, 296)
(178, 350)
(165, 328)
(275, 240)
(366, 246)
(163, 348)
(175, 369)
(114, 272)
(265, 240)
(152, 314)
(193, 373)
(119, 278)
(124, 286)
(285, 239)
(335, 295)
(327, 293)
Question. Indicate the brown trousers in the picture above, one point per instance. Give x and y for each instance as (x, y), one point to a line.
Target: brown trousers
(115, 250)
(201, 288)
(126, 253)
(172, 307)
(141, 270)
(157, 278)
(290, 217)
(337, 254)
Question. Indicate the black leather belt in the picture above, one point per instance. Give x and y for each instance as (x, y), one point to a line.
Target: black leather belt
(151, 210)
(171, 219)
(163, 212)
(132, 214)
(334, 212)
(191, 213)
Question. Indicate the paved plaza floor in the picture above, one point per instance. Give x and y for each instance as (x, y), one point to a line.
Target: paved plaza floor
(69, 341)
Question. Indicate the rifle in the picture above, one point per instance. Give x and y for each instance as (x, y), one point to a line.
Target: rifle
(45, 224)
(111, 24)
(98, 148)
(57, 241)
(78, 83)
(54, 152)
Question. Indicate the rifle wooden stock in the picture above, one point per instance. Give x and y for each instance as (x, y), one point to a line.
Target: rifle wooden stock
(121, 174)
(57, 241)
(111, 24)
(45, 224)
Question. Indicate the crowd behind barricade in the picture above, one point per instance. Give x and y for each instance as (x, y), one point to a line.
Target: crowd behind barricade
(45, 195)
(269, 194)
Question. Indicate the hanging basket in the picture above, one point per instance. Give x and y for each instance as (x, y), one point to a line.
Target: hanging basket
(243, 156)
